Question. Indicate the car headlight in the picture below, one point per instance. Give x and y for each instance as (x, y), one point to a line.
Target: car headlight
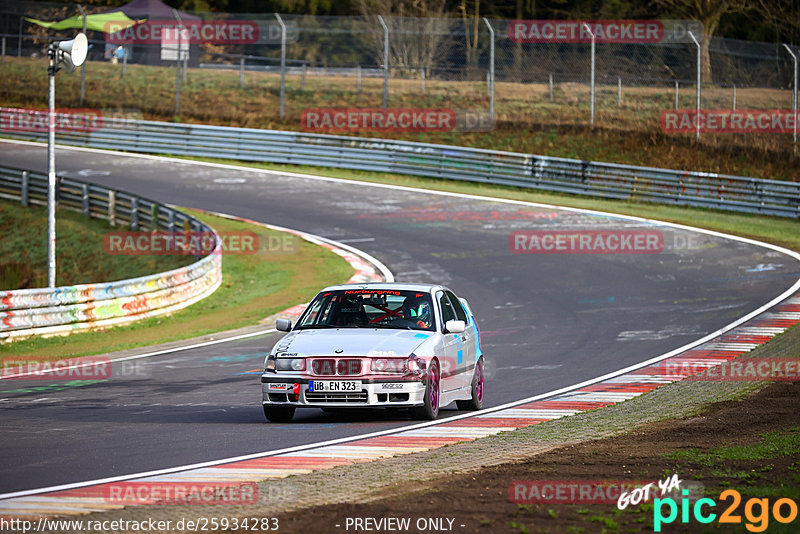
(290, 364)
(412, 364)
(270, 364)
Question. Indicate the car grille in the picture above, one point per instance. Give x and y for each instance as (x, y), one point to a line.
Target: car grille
(333, 367)
(350, 397)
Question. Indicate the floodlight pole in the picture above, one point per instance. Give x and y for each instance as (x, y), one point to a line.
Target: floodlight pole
(83, 67)
(794, 94)
(52, 52)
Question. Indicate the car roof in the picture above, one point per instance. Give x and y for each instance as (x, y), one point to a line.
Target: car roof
(428, 288)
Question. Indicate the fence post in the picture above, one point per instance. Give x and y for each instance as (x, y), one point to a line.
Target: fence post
(25, 188)
(303, 78)
(551, 87)
(794, 95)
(283, 65)
(385, 63)
(422, 74)
(358, 76)
(112, 207)
(4, 50)
(124, 60)
(19, 39)
(85, 200)
(734, 98)
(241, 72)
(491, 68)
(591, 78)
(83, 66)
(619, 91)
(178, 29)
(171, 220)
(699, 83)
(677, 87)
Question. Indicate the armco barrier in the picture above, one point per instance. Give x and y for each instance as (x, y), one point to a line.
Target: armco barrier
(60, 310)
(563, 175)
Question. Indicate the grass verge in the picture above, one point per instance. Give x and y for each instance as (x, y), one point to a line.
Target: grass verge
(254, 286)
(81, 258)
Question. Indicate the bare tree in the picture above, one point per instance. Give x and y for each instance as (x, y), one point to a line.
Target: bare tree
(418, 30)
(708, 12)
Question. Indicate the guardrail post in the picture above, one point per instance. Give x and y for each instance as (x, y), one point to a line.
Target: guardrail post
(241, 73)
(794, 95)
(154, 216)
(283, 65)
(491, 68)
(171, 221)
(134, 213)
(699, 83)
(112, 207)
(85, 199)
(25, 187)
(385, 63)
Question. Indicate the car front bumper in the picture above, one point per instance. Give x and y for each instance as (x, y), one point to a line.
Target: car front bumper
(392, 392)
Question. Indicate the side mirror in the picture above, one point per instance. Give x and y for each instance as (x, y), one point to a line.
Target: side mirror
(284, 325)
(455, 327)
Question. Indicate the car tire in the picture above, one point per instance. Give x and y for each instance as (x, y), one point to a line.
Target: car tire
(279, 414)
(430, 410)
(476, 401)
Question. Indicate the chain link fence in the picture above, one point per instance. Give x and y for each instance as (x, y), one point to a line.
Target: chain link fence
(455, 63)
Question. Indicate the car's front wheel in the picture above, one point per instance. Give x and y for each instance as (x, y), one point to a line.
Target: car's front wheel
(476, 401)
(279, 414)
(430, 410)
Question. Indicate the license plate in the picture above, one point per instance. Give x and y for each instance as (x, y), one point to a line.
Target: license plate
(334, 386)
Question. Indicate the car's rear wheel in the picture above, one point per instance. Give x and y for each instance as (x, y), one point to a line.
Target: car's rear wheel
(476, 402)
(430, 410)
(279, 414)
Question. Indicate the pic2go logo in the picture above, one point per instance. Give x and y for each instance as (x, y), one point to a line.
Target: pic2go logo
(756, 511)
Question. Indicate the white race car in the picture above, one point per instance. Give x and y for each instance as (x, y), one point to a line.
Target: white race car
(390, 345)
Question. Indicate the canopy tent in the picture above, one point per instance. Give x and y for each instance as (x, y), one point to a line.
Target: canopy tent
(99, 23)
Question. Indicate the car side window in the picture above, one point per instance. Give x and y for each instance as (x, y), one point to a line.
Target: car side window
(459, 309)
(448, 313)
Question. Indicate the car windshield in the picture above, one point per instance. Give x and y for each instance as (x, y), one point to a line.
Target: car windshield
(370, 308)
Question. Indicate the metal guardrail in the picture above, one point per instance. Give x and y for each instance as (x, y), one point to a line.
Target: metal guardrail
(607, 180)
(63, 309)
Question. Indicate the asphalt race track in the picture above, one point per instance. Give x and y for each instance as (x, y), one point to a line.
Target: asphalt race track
(548, 320)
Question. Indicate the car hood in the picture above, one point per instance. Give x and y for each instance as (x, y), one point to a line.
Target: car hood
(351, 342)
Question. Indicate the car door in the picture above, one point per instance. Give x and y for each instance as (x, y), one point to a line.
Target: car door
(451, 345)
(465, 343)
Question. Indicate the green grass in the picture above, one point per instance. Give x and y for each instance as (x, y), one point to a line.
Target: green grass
(773, 445)
(253, 287)
(81, 258)
(780, 231)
